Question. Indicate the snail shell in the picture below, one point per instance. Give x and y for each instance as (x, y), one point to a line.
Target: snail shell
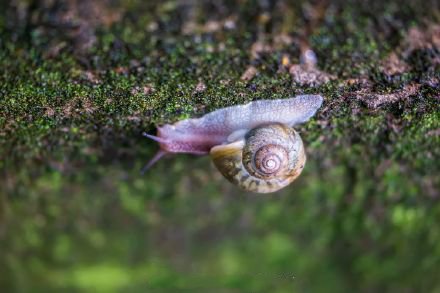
(252, 145)
(267, 159)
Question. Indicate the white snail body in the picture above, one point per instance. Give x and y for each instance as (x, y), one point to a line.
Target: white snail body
(253, 145)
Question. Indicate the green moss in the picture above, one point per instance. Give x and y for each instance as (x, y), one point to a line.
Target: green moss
(76, 215)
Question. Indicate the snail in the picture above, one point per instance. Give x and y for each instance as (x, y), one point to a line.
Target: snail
(253, 145)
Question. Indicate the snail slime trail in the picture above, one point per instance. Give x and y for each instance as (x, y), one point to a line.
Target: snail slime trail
(254, 145)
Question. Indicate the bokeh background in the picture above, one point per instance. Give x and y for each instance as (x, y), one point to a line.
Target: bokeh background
(81, 80)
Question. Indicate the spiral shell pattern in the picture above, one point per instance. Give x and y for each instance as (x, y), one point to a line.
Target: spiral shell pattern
(268, 158)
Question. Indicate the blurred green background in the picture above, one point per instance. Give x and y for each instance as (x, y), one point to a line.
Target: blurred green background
(81, 80)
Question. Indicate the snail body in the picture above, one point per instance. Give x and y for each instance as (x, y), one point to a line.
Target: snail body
(252, 145)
